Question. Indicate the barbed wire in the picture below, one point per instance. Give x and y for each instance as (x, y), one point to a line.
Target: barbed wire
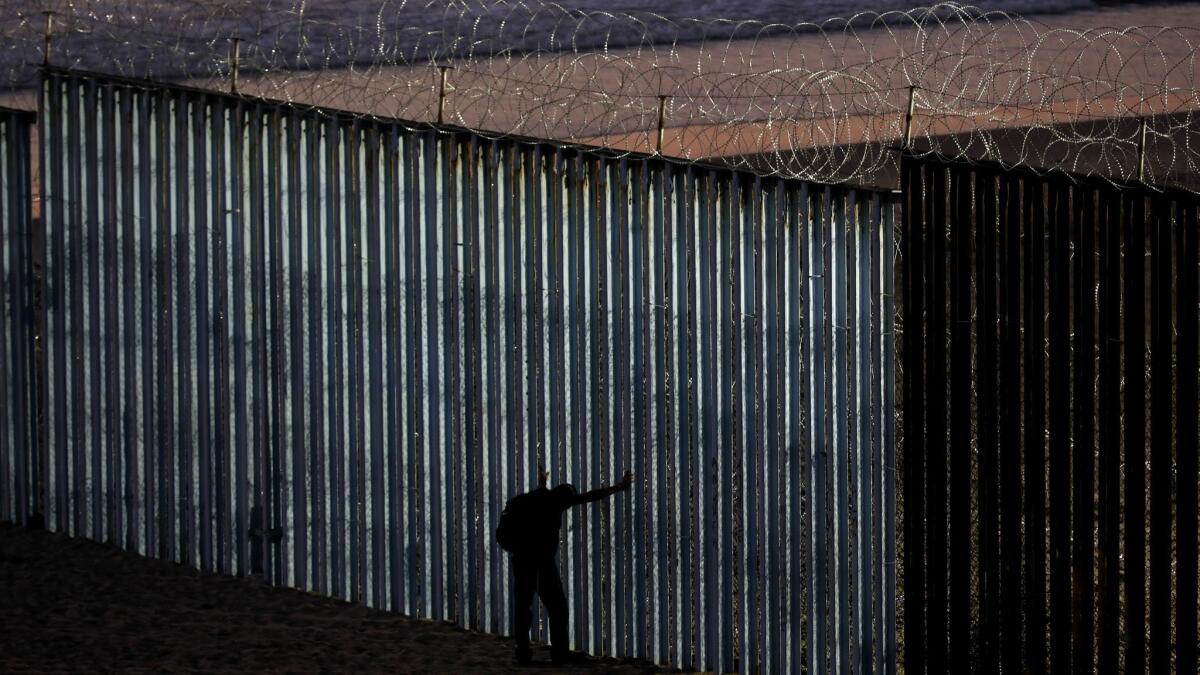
(827, 101)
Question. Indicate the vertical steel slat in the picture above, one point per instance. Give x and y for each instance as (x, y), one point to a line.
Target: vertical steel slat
(201, 239)
(709, 324)
(681, 218)
(863, 601)
(912, 355)
(51, 121)
(832, 441)
(1083, 460)
(1133, 552)
(149, 182)
(374, 252)
(337, 570)
(1162, 470)
(19, 471)
(392, 177)
(11, 481)
(277, 292)
(744, 435)
(634, 317)
(800, 346)
(617, 458)
(774, 370)
(73, 316)
(600, 595)
(62, 187)
(318, 223)
(252, 191)
(689, 465)
(64, 378)
(1187, 315)
(410, 487)
(127, 261)
(619, 347)
(89, 380)
(669, 503)
(129, 370)
(727, 318)
(818, 449)
(889, 617)
(89, 259)
(1034, 214)
(571, 226)
(793, 599)
(32, 497)
(107, 287)
(186, 166)
(146, 136)
(222, 441)
(878, 292)
(761, 214)
(474, 411)
(989, 424)
(453, 395)
(1009, 473)
(490, 226)
(13, 227)
(959, 415)
(829, 429)
(665, 432)
(508, 304)
(937, 407)
(350, 136)
(245, 376)
(430, 386)
(1109, 450)
(1059, 417)
(293, 423)
(168, 222)
(326, 179)
(585, 466)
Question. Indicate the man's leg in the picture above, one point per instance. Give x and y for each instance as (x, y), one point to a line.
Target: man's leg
(551, 592)
(525, 576)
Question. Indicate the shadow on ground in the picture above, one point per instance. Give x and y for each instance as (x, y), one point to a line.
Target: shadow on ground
(76, 604)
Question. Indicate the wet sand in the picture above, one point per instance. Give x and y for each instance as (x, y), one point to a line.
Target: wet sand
(74, 604)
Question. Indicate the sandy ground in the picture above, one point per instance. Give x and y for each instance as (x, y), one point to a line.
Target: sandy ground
(74, 604)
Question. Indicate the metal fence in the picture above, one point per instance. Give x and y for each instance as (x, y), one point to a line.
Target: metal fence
(1049, 422)
(329, 348)
(19, 476)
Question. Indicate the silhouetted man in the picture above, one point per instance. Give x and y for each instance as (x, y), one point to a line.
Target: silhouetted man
(529, 531)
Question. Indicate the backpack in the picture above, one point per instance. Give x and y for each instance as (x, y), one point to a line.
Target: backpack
(508, 530)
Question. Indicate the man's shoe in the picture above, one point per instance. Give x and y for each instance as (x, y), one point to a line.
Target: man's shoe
(566, 658)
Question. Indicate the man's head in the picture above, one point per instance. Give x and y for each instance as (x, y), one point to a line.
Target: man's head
(565, 491)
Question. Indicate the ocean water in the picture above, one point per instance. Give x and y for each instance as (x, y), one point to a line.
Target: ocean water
(174, 38)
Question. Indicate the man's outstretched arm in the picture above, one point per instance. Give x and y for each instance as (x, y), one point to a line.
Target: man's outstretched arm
(601, 493)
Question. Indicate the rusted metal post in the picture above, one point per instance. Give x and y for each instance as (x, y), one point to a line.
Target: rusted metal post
(662, 120)
(235, 53)
(908, 116)
(441, 109)
(48, 37)
(1142, 151)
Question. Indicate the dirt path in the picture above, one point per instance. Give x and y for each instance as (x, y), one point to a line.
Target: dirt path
(74, 604)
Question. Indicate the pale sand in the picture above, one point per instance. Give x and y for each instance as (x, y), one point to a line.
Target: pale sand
(74, 604)
(499, 96)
